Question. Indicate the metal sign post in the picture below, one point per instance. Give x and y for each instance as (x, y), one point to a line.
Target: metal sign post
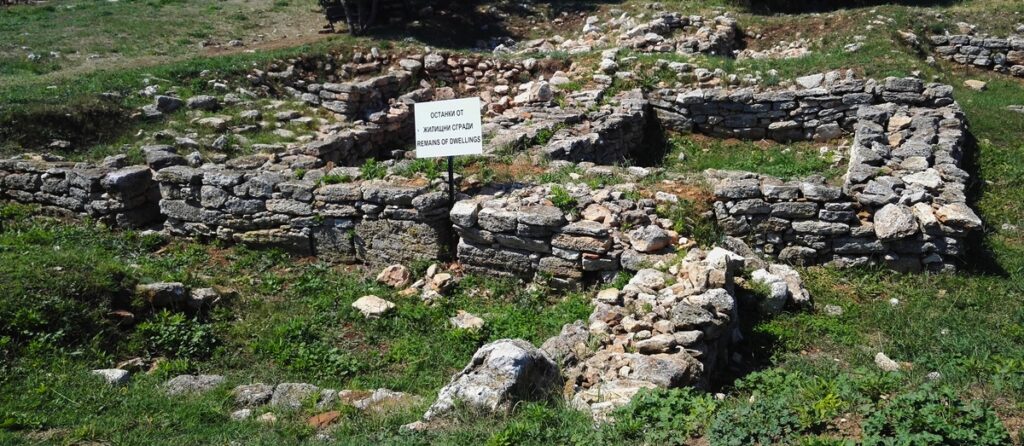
(451, 184)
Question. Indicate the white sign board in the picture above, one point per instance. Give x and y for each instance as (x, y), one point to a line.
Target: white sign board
(448, 128)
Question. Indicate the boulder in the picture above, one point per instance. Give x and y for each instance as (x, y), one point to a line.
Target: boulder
(186, 384)
(395, 276)
(499, 375)
(294, 395)
(163, 294)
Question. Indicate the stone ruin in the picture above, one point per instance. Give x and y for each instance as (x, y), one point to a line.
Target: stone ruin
(1003, 55)
(664, 329)
(902, 200)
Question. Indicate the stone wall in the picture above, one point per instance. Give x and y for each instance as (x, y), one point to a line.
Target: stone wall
(661, 330)
(1002, 55)
(371, 221)
(114, 195)
(902, 200)
(822, 109)
(522, 234)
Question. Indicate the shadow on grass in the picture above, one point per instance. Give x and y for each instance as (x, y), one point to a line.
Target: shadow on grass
(768, 7)
(466, 24)
(978, 257)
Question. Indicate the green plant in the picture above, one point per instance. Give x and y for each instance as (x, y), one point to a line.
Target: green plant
(665, 416)
(934, 415)
(429, 167)
(688, 219)
(373, 169)
(297, 347)
(176, 336)
(561, 198)
(334, 179)
(765, 421)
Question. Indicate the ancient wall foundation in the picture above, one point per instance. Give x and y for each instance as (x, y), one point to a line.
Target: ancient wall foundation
(1002, 55)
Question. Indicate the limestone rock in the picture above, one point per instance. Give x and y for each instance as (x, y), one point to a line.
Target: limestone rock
(186, 384)
(253, 395)
(498, 376)
(163, 294)
(649, 239)
(466, 321)
(114, 377)
(894, 221)
(975, 85)
(886, 364)
(378, 401)
(293, 395)
(395, 276)
(372, 306)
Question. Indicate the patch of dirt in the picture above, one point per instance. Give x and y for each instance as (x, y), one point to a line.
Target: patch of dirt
(813, 28)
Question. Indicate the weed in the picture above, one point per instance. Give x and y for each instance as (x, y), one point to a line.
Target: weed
(373, 170)
(934, 415)
(175, 336)
(561, 198)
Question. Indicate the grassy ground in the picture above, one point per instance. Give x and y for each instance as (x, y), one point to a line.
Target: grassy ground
(813, 380)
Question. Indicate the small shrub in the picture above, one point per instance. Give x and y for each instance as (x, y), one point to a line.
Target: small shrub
(933, 416)
(562, 200)
(665, 416)
(175, 336)
(334, 179)
(688, 221)
(296, 347)
(765, 421)
(373, 170)
(430, 168)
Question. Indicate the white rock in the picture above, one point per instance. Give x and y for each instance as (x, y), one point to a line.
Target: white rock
(885, 364)
(466, 321)
(114, 377)
(372, 306)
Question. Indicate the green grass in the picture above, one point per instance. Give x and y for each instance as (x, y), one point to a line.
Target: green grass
(780, 160)
(90, 35)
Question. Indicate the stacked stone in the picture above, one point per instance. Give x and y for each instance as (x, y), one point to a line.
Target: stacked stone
(699, 35)
(115, 196)
(522, 234)
(661, 330)
(1002, 55)
(608, 136)
(383, 132)
(902, 200)
(370, 221)
(666, 32)
(825, 106)
(361, 99)
(331, 67)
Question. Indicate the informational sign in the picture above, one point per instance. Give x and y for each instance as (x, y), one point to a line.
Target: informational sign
(448, 128)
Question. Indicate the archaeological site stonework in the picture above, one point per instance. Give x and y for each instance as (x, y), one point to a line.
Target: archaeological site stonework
(901, 202)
